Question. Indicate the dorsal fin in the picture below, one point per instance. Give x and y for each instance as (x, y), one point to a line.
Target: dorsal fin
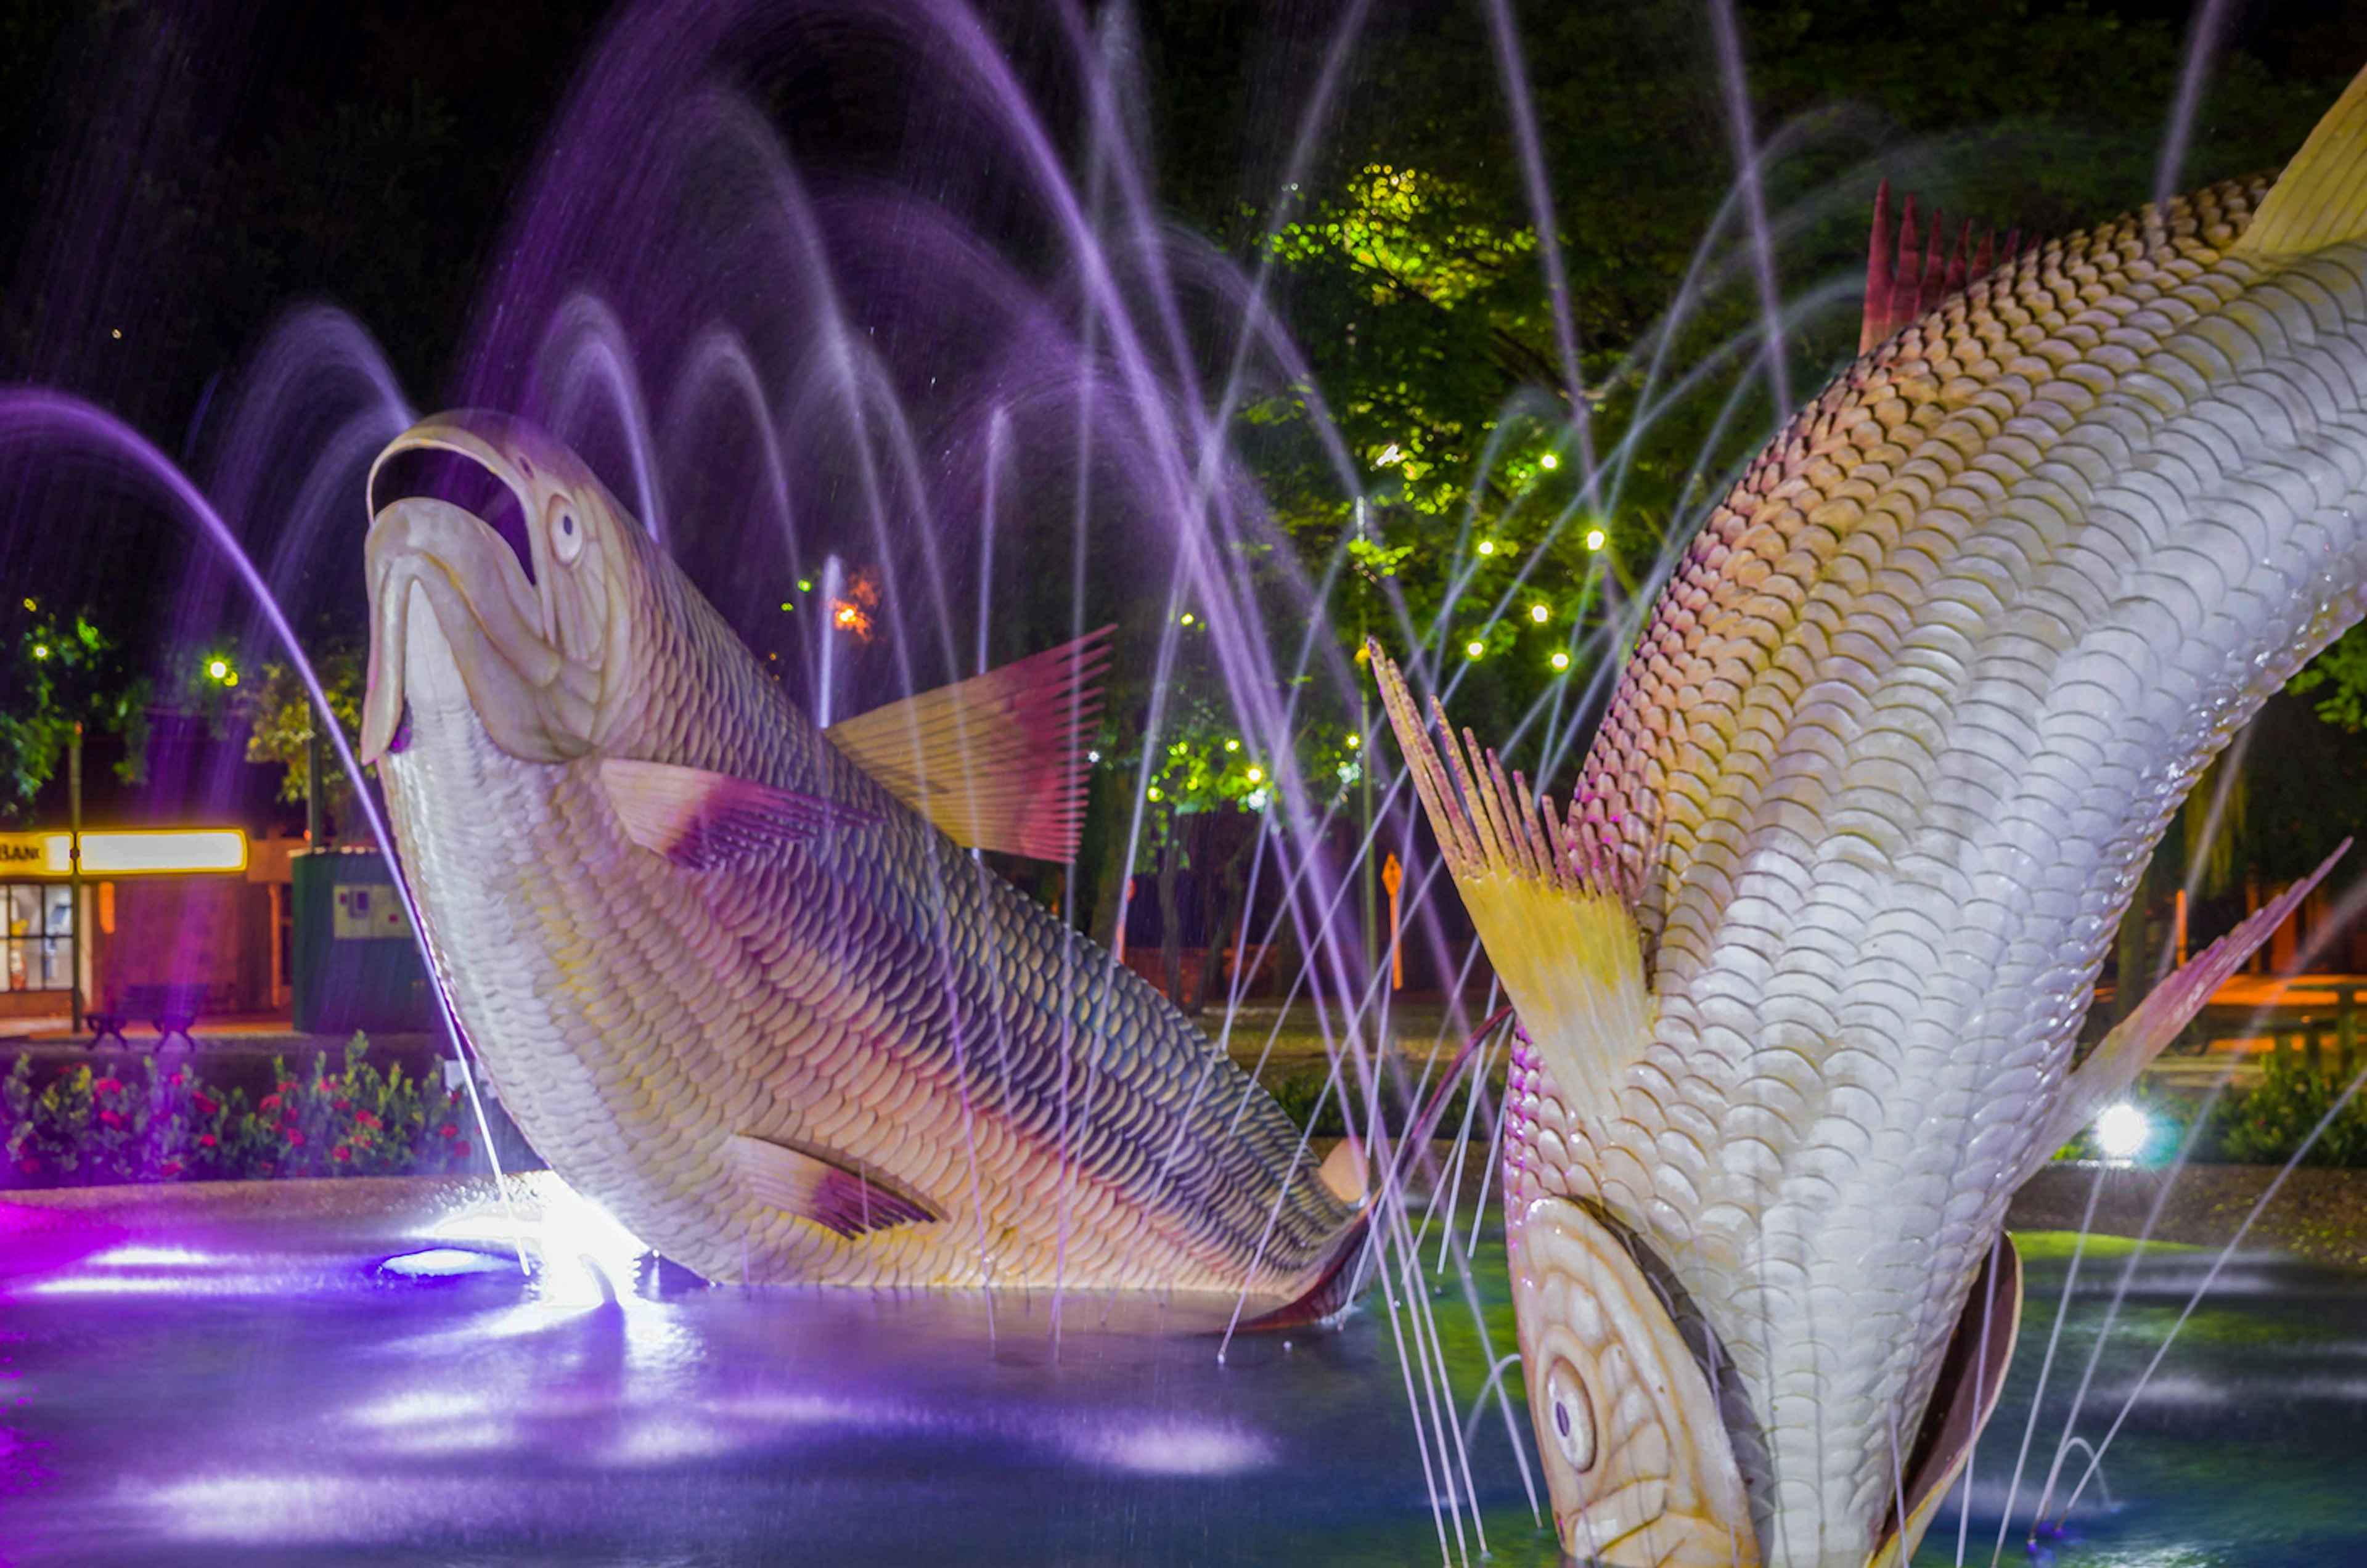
(996, 762)
(2321, 199)
(1904, 280)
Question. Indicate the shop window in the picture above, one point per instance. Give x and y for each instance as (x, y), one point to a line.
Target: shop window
(41, 935)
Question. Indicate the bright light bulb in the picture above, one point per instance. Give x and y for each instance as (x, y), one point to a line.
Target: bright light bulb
(1538, 613)
(1354, 741)
(1561, 660)
(1154, 792)
(219, 669)
(41, 651)
(1232, 745)
(2122, 1131)
(1187, 617)
(1474, 648)
(1487, 546)
(1256, 773)
(1596, 538)
(1549, 462)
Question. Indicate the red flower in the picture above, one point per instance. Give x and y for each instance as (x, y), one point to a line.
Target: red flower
(295, 1137)
(28, 1165)
(175, 1081)
(367, 1120)
(206, 1102)
(341, 1152)
(448, 1131)
(169, 1169)
(205, 1140)
(342, 1103)
(113, 1119)
(107, 1086)
(461, 1149)
(270, 1102)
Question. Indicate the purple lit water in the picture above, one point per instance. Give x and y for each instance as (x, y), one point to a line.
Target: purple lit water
(208, 1376)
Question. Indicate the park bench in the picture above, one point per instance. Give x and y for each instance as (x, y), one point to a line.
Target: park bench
(173, 1007)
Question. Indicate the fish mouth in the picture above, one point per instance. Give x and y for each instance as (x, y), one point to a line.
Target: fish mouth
(449, 539)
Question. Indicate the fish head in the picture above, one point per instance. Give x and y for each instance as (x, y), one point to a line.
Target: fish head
(498, 539)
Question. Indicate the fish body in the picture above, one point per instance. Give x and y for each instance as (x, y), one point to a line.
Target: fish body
(755, 1005)
(1803, 964)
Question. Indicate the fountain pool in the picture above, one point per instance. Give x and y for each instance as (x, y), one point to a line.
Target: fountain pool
(200, 1375)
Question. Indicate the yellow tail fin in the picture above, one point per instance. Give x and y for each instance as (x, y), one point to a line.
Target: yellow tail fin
(2321, 199)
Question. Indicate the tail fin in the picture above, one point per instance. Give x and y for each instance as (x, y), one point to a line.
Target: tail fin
(1341, 1276)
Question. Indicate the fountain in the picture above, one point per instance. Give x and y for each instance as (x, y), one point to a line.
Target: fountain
(864, 394)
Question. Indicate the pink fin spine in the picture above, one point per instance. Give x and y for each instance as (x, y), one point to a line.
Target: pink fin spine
(1904, 280)
(1488, 822)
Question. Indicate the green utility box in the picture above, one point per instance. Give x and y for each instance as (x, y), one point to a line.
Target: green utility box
(356, 963)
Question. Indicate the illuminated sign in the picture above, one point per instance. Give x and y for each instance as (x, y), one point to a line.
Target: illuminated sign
(125, 851)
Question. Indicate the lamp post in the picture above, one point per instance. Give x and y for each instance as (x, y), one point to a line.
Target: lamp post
(73, 869)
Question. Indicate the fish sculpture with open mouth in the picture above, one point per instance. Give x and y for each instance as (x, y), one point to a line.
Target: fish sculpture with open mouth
(738, 979)
(1803, 964)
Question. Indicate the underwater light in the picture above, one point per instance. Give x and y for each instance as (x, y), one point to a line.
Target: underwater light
(1596, 538)
(444, 1263)
(2122, 1131)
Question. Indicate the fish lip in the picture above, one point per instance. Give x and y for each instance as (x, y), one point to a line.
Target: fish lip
(488, 612)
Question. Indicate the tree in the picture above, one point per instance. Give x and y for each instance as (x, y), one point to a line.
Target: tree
(279, 715)
(61, 672)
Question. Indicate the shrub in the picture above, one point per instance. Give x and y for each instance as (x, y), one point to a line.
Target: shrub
(85, 1127)
(2265, 1125)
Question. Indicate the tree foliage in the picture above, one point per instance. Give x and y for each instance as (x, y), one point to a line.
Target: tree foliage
(61, 670)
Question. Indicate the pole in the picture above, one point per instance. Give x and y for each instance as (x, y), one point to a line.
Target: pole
(74, 868)
(314, 818)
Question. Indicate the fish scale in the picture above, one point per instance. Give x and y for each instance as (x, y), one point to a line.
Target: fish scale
(872, 991)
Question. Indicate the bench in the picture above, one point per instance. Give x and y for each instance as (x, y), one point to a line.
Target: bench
(173, 1007)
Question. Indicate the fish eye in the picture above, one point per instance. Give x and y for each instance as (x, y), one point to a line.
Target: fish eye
(566, 535)
(1573, 1416)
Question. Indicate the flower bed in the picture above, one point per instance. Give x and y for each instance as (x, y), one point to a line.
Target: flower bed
(88, 1126)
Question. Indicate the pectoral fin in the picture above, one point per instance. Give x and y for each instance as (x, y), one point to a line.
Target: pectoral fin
(996, 762)
(1553, 901)
(2137, 1039)
(1962, 1403)
(812, 1187)
(698, 820)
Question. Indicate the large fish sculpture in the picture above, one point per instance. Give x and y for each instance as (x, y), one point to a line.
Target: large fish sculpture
(1803, 962)
(738, 979)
